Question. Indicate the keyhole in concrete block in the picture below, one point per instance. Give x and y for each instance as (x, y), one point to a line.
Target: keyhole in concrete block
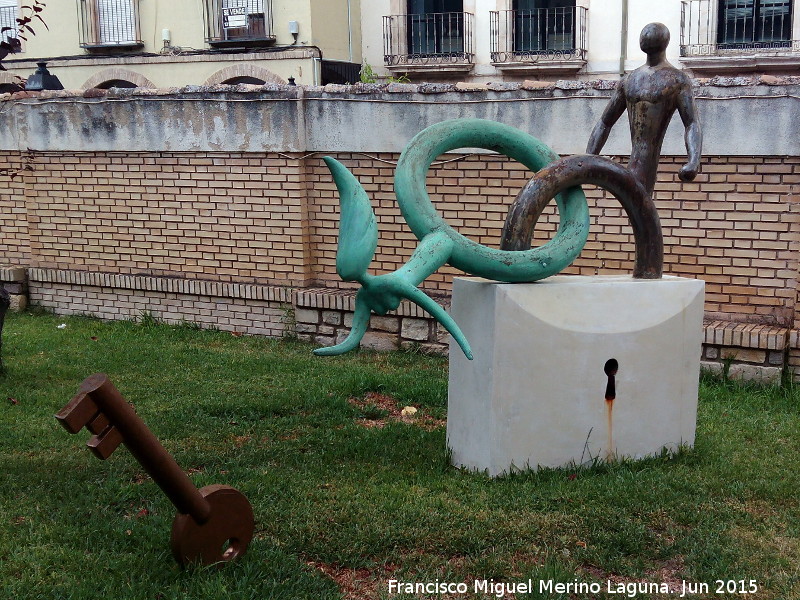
(610, 369)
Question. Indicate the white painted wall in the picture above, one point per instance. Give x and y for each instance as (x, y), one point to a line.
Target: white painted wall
(642, 12)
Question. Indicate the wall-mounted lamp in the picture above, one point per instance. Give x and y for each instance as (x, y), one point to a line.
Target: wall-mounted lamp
(294, 29)
(42, 79)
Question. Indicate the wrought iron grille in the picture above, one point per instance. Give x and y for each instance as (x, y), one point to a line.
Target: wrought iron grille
(239, 22)
(543, 34)
(725, 27)
(8, 18)
(111, 23)
(428, 38)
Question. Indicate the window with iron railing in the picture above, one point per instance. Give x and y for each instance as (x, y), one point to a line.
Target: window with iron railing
(544, 26)
(8, 18)
(110, 23)
(538, 31)
(747, 22)
(239, 22)
(710, 27)
(431, 32)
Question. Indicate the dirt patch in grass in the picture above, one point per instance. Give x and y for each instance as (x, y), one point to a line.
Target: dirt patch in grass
(356, 584)
(379, 409)
(668, 572)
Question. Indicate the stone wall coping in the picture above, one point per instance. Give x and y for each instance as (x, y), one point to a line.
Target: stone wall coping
(746, 335)
(12, 274)
(767, 85)
(196, 287)
(794, 339)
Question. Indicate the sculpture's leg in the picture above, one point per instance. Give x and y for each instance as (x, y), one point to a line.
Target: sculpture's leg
(579, 170)
(359, 328)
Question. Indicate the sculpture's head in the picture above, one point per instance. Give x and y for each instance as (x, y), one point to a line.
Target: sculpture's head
(654, 38)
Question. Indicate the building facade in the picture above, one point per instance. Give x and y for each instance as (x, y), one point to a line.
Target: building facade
(127, 43)
(513, 40)
(158, 44)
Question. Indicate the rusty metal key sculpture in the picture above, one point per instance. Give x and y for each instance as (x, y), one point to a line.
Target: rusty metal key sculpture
(214, 524)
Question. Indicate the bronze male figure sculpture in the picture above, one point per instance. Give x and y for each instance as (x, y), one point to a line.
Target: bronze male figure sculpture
(651, 94)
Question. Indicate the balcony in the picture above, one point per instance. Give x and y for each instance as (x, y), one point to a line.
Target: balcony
(240, 23)
(545, 40)
(736, 36)
(109, 24)
(429, 42)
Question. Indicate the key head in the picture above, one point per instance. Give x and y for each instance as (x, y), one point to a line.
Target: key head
(84, 411)
(223, 538)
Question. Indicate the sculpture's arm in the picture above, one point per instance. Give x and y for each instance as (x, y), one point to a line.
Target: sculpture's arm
(611, 115)
(693, 136)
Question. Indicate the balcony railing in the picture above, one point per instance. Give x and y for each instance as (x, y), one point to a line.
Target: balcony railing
(737, 27)
(8, 18)
(541, 35)
(109, 24)
(239, 22)
(428, 39)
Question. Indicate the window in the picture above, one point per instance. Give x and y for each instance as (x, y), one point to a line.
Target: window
(8, 18)
(109, 23)
(544, 25)
(435, 27)
(754, 23)
(252, 23)
(239, 22)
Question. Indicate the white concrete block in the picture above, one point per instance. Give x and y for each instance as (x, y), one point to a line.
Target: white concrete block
(534, 396)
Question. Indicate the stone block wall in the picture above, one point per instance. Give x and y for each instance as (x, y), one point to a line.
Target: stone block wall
(15, 282)
(325, 317)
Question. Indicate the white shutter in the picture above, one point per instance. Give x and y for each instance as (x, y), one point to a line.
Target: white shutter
(117, 21)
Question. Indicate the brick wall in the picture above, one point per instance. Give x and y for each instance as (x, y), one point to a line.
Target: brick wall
(737, 226)
(233, 217)
(14, 238)
(272, 220)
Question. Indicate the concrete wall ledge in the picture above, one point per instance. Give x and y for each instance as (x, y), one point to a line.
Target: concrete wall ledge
(741, 116)
(745, 335)
(12, 274)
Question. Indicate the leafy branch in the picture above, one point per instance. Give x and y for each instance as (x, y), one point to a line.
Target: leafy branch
(13, 43)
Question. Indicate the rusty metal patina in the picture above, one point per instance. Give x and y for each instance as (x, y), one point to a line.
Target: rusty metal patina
(605, 173)
(214, 524)
(651, 94)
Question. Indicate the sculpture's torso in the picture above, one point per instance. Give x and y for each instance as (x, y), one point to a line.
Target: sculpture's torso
(651, 95)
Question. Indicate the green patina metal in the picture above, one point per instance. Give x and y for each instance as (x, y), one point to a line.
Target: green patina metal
(439, 242)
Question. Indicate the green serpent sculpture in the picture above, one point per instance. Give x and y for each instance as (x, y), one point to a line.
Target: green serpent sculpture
(439, 242)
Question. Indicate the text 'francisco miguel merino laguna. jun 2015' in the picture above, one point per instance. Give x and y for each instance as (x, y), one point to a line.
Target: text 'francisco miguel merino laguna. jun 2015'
(501, 589)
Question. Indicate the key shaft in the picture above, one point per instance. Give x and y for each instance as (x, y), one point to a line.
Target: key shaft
(146, 448)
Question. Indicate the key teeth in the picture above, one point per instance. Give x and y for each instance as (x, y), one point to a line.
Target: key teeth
(78, 412)
(103, 444)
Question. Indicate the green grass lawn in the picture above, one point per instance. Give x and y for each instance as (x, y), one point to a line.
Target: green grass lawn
(344, 504)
